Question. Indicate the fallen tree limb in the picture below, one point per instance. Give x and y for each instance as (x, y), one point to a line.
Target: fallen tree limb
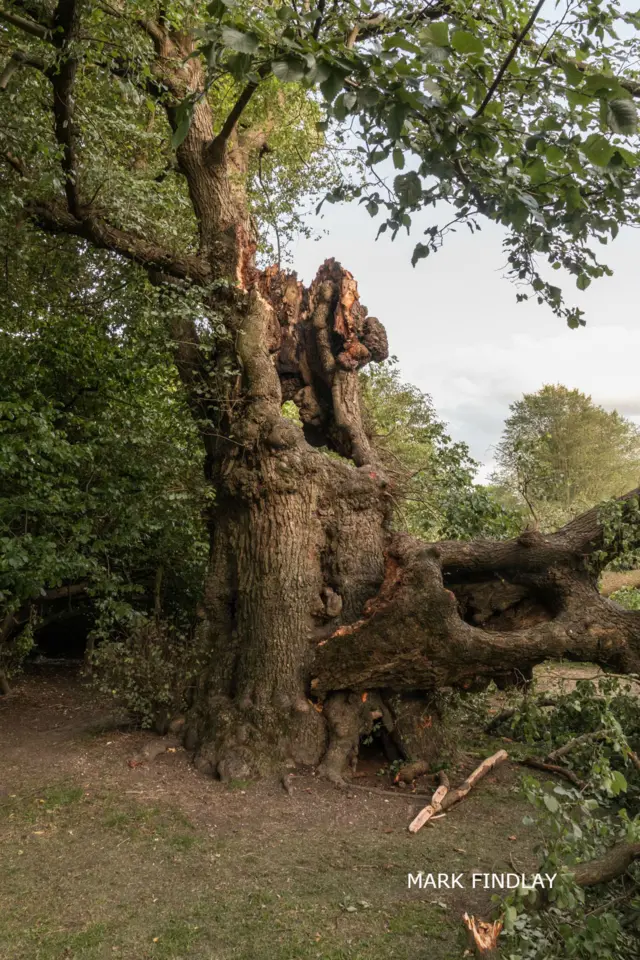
(444, 798)
(568, 747)
(613, 864)
(553, 768)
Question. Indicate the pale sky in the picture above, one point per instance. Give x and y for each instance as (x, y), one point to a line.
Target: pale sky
(459, 335)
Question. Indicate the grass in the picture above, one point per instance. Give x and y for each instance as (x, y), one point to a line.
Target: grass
(89, 877)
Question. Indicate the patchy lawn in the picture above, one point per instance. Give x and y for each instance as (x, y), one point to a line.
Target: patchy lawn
(104, 859)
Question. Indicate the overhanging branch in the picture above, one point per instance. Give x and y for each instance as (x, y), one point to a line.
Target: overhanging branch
(27, 26)
(55, 219)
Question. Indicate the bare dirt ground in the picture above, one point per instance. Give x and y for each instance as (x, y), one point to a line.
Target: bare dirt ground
(108, 851)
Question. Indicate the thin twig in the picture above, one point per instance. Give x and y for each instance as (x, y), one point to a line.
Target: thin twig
(514, 49)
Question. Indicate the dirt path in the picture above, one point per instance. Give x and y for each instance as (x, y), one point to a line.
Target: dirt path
(108, 856)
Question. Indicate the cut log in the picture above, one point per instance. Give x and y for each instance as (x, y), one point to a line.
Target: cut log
(429, 811)
(613, 864)
(483, 935)
(410, 771)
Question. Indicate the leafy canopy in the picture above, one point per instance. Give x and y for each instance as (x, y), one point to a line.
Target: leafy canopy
(525, 115)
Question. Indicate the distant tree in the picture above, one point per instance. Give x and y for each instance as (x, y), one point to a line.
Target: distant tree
(561, 453)
(434, 476)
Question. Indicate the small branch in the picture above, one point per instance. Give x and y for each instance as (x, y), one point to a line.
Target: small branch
(318, 24)
(15, 163)
(553, 768)
(236, 112)
(514, 49)
(568, 747)
(18, 59)
(27, 26)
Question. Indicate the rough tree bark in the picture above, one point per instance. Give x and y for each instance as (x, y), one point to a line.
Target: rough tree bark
(318, 617)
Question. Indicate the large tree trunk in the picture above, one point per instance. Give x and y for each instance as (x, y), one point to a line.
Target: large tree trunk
(298, 536)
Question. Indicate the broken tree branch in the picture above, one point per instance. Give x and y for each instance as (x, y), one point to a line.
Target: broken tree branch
(568, 747)
(444, 798)
(454, 796)
(483, 935)
(499, 718)
(430, 810)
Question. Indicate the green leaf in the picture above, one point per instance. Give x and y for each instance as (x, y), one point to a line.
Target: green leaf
(332, 85)
(183, 118)
(510, 916)
(597, 84)
(631, 159)
(437, 33)
(368, 97)
(598, 149)
(398, 159)
(622, 117)
(583, 281)
(421, 251)
(396, 118)
(288, 71)
(242, 42)
(573, 74)
(551, 803)
(465, 42)
(408, 187)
